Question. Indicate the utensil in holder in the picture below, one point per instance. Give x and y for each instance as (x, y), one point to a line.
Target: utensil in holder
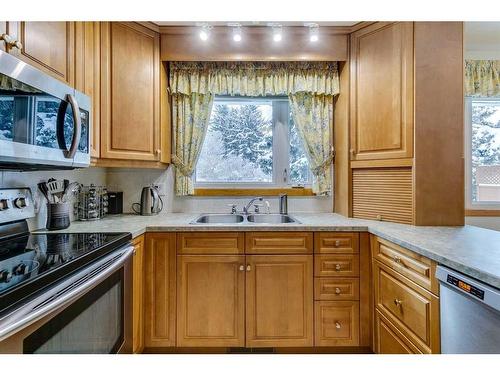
(57, 216)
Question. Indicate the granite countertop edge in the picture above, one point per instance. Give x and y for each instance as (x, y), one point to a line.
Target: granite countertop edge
(446, 245)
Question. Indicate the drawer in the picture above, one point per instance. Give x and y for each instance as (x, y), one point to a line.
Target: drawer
(279, 243)
(411, 308)
(389, 340)
(336, 323)
(336, 289)
(210, 243)
(417, 268)
(342, 265)
(336, 242)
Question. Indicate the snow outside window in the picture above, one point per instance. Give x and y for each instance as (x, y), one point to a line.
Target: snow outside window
(482, 118)
(252, 142)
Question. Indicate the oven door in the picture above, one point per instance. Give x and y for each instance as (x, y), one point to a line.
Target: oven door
(94, 318)
(44, 124)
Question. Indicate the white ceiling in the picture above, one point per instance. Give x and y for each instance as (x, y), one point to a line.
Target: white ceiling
(253, 23)
(482, 39)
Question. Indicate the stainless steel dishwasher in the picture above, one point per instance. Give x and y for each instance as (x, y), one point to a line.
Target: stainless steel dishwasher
(470, 314)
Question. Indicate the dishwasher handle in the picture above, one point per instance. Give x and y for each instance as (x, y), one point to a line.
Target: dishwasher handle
(480, 292)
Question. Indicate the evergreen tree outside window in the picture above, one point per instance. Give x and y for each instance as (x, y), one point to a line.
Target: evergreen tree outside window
(252, 141)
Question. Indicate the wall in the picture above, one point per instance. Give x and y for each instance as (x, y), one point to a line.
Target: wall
(87, 176)
(484, 222)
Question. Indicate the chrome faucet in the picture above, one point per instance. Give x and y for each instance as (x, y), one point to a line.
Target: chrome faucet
(245, 208)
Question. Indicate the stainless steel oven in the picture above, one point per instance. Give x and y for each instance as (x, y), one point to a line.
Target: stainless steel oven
(89, 313)
(44, 124)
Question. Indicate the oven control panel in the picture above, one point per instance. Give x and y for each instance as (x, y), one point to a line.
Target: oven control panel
(16, 204)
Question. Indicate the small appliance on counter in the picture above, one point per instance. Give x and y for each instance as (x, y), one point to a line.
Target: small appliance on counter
(115, 202)
(151, 202)
(92, 203)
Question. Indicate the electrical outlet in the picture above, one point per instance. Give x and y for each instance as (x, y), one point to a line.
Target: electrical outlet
(162, 188)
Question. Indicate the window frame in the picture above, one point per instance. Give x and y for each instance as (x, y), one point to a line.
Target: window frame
(470, 205)
(280, 149)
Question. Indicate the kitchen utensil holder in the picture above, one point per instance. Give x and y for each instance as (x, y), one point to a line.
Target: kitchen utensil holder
(57, 216)
(92, 203)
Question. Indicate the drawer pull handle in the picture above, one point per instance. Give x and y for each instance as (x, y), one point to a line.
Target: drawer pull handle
(337, 291)
(249, 268)
(397, 259)
(337, 243)
(338, 267)
(242, 267)
(338, 325)
(398, 302)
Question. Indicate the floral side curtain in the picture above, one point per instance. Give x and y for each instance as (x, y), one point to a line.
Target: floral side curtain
(482, 78)
(311, 87)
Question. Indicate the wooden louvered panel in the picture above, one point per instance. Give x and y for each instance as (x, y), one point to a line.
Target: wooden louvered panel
(383, 194)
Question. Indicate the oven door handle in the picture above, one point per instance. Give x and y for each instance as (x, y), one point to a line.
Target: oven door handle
(77, 127)
(64, 293)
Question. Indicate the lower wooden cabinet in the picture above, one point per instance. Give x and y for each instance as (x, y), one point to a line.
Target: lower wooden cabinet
(389, 340)
(279, 300)
(160, 290)
(211, 300)
(336, 323)
(138, 296)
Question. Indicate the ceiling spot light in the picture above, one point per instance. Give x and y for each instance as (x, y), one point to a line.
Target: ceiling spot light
(277, 33)
(313, 32)
(204, 32)
(237, 33)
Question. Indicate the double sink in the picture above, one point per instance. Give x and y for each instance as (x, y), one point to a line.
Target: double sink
(245, 219)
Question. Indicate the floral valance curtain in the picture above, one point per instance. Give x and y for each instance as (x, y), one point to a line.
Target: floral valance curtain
(482, 78)
(311, 87)
(254, 78)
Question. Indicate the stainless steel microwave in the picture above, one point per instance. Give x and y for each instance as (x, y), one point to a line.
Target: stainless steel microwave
(44, 124)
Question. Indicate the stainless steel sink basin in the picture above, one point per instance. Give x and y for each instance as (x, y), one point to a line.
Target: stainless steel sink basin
(245, 219)
(271, 219)
(219, 219)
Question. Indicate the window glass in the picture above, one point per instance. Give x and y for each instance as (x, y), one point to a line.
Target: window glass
(485, 149)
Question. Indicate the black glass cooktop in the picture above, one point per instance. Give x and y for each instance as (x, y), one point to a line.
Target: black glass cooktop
(31, 262)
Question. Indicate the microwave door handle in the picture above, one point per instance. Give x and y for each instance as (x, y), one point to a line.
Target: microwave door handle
(77, 127)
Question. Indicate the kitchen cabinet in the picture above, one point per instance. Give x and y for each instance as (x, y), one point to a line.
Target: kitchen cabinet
(407, 296)
(279, 300)
(88, 78)
(130, 93)
(138, 296)
(211, 243)
(382, 91)
(337, 323)
(160, 290)
(279, 243)
(211, 295)
(48, 46)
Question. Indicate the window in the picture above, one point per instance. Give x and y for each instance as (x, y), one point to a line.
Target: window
(483, 150)
(252, 142)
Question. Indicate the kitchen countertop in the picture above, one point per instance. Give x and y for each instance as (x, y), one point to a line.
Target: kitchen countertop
(471, 250)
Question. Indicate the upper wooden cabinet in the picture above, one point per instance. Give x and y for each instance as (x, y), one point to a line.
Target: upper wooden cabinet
(382, 92)
(48, 46)
(130, 92)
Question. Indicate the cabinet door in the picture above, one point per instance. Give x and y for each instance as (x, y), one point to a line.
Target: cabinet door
(130, 94)
(160, 291)
(382, 91)
(138, 296)
(49, 46)
(87, 73)
(211, 301)
(279, 300)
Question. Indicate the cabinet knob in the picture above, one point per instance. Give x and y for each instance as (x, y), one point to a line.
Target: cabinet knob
(158, 151)
(249, 268)
(242, 267)
(338, 325)
(398, 302)
(352, 152)
(337, 243)
(379, 217)
(338, 267)
(397, 259)
(337, 291)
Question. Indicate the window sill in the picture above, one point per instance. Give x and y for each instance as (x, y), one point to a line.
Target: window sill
(476, 212)
(293, 192)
